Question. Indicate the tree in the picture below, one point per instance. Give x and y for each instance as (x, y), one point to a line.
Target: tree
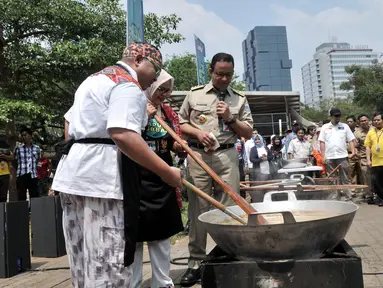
(184, 70)
(158, 29)
(321, 113)
(366, 83)
(49, 47)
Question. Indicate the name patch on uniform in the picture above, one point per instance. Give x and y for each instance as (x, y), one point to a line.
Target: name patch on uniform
(202, 104)
(340, 128)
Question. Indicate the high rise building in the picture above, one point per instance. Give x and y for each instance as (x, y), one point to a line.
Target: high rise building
(324, 74)
(266, 59)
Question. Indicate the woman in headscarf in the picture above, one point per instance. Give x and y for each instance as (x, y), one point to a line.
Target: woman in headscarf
(160, 216)
(260, 157)
(279, 153)
(277, 148)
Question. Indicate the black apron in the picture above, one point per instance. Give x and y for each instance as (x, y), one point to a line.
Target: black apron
(130, 176)
(160, 216)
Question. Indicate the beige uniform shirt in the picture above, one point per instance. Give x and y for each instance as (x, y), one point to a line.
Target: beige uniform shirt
(360, 137)
(199, 110)
(300, 149)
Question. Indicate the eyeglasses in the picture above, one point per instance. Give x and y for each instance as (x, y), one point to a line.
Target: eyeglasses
(163, 90)
(156, 67)
(223, 74)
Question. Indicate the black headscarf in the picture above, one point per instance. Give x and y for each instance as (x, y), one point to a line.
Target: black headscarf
(274, 147)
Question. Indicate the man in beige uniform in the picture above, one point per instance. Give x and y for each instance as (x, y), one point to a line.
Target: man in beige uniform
(360, 136)
(218, 109)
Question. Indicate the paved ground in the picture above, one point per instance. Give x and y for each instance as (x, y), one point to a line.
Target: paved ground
(366, 237)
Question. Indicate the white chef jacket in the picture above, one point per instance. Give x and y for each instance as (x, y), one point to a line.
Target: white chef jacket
(93, 169)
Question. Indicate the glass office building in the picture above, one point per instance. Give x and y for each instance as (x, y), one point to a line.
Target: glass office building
(266, 59)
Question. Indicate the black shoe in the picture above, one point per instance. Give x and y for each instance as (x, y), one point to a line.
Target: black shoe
(191, 277)
(370, 201)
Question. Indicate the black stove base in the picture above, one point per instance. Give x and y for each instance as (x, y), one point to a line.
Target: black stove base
(341, 268)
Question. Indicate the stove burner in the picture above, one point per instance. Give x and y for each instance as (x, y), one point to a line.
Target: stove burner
(338, 268)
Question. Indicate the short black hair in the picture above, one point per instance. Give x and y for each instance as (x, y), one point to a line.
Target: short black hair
(221, 57)
(311, 127)
(26, 129)
(301, 129)
(363, 115)
(351, 117)
(377, 113)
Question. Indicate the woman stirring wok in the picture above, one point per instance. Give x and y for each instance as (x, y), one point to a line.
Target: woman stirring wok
(160, 216)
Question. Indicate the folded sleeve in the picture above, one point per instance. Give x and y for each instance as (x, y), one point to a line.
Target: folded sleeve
(127, 107)
(68, 115)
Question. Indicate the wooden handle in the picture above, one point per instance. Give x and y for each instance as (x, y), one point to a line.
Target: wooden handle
(333, 171)
(212, 201)
(305, 187)
(204, 196)
(236, 197)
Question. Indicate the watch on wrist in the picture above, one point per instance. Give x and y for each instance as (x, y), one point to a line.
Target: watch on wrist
(231, 121)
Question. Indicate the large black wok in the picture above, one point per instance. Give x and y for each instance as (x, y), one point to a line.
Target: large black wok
(299, 240)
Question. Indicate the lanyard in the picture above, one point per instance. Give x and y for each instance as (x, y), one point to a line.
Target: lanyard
(378, 136)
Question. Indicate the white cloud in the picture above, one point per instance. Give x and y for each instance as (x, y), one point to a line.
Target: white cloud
(307, 31)
(217, 35)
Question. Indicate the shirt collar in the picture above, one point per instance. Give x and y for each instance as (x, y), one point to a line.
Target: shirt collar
(209, 87)
(130, 69)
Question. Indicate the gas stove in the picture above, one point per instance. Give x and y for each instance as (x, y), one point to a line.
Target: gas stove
(339, 268)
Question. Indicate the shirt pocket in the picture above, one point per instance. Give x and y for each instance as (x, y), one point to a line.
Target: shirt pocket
(328, 135)
(202, 115)
(342, 135)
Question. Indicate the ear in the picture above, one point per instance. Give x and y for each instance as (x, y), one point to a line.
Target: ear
(138, 59)
(210, 70)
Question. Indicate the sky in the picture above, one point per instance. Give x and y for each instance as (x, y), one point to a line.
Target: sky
(222, 25)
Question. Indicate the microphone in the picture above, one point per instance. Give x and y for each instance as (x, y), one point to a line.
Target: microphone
(222, 96)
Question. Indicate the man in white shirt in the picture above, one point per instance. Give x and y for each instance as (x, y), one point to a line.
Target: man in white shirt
(100, 208)
(333, 138)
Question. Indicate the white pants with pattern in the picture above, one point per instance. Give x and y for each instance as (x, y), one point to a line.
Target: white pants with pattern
(95, 241)
(159, 252)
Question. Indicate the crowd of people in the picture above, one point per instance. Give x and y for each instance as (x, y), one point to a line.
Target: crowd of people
(117, 181)
(352, 148)
(33, 170)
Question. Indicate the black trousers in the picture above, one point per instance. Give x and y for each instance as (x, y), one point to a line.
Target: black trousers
(4, 185)
(26, 182)
(377, 180)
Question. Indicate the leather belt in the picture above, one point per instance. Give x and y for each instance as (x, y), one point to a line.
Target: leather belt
(221, 147)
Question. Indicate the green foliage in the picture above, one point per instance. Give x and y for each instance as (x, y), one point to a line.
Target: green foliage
(49, 47)
(321, 113)
(184, 70)
(158, 29)
(366, 84)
